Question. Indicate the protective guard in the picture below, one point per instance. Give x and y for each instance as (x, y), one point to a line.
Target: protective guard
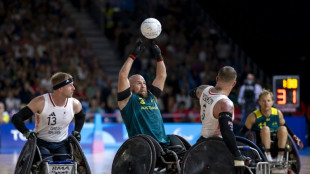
(79, 157)
(25, 159)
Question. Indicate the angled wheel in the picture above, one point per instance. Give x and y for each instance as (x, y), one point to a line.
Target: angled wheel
(136, 155)
(184, 141)
(79, 156)
(25, 159)
(208, 156)
(260, 157)
(293, 155)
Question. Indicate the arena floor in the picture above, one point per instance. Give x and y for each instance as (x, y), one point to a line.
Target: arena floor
(101, 163)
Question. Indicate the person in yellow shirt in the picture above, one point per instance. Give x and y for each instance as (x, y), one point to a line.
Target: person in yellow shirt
(4, 115)
(269, 125)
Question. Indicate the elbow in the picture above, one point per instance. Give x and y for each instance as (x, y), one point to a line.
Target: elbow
(15, 119)
(122, 75)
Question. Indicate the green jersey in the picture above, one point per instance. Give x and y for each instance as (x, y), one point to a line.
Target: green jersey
(261, 120)
(142, 116)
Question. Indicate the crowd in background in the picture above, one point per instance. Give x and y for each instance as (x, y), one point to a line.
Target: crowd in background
(38, 38)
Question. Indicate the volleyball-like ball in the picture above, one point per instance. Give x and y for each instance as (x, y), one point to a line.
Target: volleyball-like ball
(150, 28)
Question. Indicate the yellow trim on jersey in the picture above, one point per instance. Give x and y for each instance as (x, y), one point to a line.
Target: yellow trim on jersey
(274, 111)
(258, 113)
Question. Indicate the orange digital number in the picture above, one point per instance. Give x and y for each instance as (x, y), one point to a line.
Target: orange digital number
(294, 96)
(281, 95)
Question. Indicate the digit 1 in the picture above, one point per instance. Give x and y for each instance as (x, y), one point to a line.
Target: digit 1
(294, 96)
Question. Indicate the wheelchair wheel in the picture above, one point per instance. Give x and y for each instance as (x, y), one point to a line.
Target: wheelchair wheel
(79, 157)
(25, 159)
(184, 141)
(137, 155)
(208, 156)
(293, 155)
(260, 157)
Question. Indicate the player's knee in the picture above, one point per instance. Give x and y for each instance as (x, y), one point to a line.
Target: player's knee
(282, 130)
(265, 130)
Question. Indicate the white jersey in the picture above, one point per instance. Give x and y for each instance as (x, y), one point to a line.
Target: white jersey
(210, 125)
(53, 122)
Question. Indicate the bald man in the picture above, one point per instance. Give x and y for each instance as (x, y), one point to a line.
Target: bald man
(139, 108)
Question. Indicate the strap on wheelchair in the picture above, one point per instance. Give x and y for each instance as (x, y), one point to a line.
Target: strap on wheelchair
(281, 149)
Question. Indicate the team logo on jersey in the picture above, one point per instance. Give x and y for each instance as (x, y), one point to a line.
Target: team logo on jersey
(52, 114)
(142, 102)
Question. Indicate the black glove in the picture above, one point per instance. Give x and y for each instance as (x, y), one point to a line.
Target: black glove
(156, 51)
(240, 162)
(138, 48)
(77, 135)
(31, 134)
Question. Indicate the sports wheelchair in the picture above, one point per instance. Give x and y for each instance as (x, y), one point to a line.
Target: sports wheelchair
(30, 160)
(142, 154)
(212, 156)
(291, 162)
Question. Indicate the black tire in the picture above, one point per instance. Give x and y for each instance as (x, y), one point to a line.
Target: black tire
(209, 156)
(137, 155)
(79, 156)
(25, 159)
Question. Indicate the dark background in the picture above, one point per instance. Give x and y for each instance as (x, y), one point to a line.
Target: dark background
(275, 34)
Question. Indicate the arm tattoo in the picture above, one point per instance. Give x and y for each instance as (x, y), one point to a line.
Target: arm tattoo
(201, 88)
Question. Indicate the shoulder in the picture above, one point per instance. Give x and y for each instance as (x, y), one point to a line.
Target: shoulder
(279, 113)
(37, 104)
(200, 89)
(77, 106)
(225, 105)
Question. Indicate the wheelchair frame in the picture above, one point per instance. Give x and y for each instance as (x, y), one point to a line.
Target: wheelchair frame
(36, 164)
(157, 159)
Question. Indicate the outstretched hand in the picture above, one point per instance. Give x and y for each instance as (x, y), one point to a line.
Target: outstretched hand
(137, 50)
(77, 135)
(156, 51)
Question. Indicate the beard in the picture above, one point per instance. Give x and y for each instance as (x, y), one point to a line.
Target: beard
(141, 94)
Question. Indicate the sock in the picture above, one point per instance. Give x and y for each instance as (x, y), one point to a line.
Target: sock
(279, 157)
(269, 158)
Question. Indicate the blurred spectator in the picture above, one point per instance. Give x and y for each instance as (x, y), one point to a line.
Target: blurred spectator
(248, 95)
(184, 97)
(181, 113)
(12, 103)
(26, 93)
(93, 109)
(112, 106)
(194, 113)
(4, 115)
(109, 24)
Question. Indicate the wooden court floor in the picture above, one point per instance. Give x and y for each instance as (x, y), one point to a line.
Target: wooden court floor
(101, 163)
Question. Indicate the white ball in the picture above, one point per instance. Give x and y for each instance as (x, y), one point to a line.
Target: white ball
(150, 28)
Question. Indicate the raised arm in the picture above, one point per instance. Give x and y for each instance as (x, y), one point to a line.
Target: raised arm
(161, 73)
(123, 81)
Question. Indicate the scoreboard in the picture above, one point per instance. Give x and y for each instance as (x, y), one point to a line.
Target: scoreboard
(286, 91)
